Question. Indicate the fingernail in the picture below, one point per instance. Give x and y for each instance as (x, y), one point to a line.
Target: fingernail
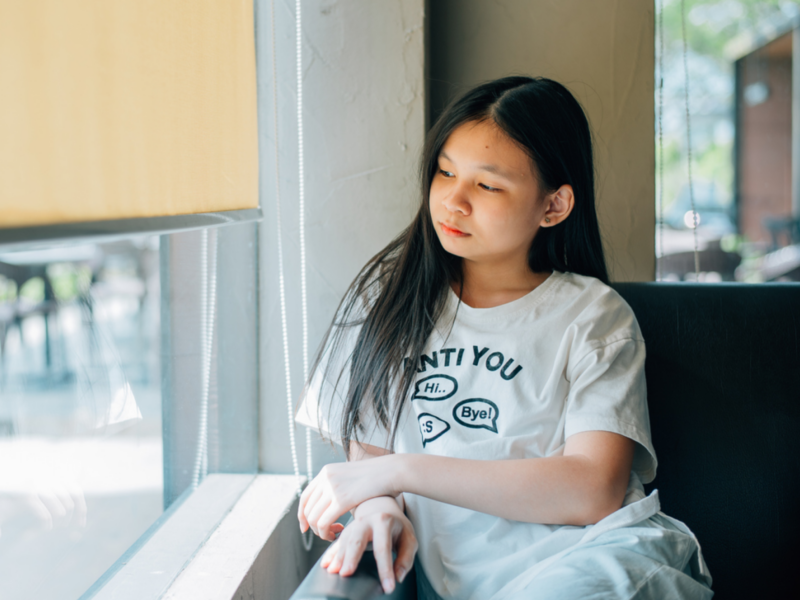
(388, 586)
(401, 575)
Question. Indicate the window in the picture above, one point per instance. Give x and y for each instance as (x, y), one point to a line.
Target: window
(81, 474)
(111, 405)
(745, 186)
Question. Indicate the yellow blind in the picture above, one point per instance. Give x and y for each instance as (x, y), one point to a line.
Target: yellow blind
(114, 109)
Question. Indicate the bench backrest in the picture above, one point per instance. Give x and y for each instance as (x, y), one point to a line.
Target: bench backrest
(723, 380)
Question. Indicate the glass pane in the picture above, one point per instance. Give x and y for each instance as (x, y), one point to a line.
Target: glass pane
(740, 210)
(81, 469)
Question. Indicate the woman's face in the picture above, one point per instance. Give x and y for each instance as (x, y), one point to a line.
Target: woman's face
(485, 199)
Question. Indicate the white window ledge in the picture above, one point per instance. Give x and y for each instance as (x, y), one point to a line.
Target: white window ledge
(236, 536)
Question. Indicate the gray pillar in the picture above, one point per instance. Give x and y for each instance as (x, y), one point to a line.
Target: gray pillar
(364, 96)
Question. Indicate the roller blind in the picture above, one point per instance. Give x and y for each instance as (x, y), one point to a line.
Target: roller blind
(126, 108)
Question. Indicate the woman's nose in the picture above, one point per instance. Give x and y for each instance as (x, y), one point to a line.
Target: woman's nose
(458, 201)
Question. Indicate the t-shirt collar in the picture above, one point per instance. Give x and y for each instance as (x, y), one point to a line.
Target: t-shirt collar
(503, 311)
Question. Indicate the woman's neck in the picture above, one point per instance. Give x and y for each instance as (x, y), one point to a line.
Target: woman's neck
(487, 286)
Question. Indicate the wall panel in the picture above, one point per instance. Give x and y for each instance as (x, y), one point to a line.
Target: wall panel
(603, 51)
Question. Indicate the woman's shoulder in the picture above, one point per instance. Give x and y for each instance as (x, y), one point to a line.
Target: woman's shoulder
(595, 308)
(588, 291)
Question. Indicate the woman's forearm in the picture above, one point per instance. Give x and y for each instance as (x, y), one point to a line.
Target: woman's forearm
(580, 487)
(567, 490)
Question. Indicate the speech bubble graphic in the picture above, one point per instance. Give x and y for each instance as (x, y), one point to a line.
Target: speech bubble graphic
(435, 387)
(477, 413)
(431, 427)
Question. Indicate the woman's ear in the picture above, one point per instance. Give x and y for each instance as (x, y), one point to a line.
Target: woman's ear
(558, 206)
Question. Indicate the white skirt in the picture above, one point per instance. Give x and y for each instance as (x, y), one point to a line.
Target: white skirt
(637, 553)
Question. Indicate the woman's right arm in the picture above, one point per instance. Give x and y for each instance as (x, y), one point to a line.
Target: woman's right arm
(378, 520)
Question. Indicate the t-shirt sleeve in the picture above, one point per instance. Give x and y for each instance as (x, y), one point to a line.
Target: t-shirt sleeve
(608, 393)
(323, 400)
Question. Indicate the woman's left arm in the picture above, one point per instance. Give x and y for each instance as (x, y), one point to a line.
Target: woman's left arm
(585, 484)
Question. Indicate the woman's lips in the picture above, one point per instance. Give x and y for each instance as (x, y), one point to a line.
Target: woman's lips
(452, 231)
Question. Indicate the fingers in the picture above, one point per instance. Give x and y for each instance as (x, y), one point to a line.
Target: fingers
(382, 548)
(336, 559)
(406, 550)
(314, 512)
(333, 552)
(327, 520)
(301, 508)
(328, 555)
(311, 501)
(353, 548)
(344, 555)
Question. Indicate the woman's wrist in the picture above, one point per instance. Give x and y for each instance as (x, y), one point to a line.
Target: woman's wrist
(379, 504)
(398, 473)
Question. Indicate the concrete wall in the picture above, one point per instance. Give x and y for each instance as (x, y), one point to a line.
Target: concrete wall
(365, 114)
(364, 125)
(603, 51)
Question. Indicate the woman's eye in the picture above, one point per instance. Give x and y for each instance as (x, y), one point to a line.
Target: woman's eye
(489, 188)
(445, 173)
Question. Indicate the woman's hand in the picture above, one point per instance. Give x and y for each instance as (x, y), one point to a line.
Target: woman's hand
(341, 487)
(382, 522)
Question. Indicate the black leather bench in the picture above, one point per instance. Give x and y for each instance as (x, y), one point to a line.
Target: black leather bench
(723, 380)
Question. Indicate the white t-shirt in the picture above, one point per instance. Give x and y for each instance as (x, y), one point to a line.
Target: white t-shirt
(512, 381)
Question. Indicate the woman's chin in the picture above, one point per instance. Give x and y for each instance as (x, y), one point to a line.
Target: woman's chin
(452, 248)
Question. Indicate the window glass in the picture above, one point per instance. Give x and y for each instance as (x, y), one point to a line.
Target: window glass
(81, 468)
(746, 192)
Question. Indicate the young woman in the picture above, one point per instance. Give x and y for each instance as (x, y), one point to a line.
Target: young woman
(488, 386)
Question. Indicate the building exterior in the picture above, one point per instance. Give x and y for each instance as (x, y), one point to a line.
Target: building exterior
(764, 139)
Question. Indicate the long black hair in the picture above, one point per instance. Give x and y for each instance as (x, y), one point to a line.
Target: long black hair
(393, 304)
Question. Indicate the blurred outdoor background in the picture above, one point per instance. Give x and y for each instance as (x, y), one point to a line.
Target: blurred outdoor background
(739, 56)
(81, 471)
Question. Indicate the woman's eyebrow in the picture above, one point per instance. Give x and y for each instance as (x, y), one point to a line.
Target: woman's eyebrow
(485, 167)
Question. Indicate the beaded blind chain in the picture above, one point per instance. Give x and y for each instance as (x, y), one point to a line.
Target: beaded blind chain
(695, 220)
(660, 33)
(308, 537)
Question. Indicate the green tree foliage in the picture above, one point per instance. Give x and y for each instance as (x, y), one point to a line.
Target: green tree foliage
(718, 32)
(720, 29)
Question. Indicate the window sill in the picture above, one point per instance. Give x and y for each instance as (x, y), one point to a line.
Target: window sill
(235, 536)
